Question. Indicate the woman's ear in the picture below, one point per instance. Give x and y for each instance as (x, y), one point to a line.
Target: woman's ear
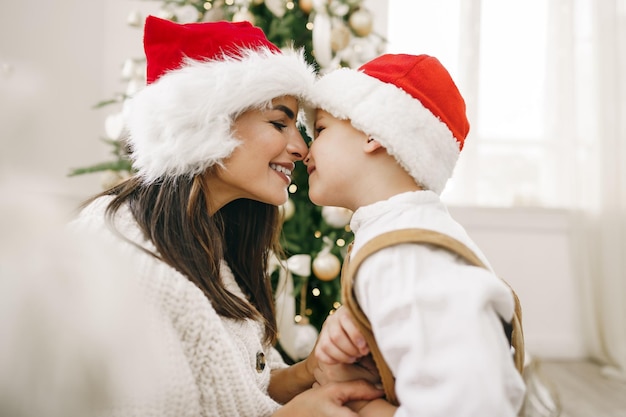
(371, 145)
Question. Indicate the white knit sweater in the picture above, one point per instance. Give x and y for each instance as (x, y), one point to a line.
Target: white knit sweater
(207, 364)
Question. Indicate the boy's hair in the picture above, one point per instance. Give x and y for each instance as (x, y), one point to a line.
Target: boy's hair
(409, 103)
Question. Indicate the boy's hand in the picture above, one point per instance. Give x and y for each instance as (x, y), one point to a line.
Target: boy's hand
(340, 340)
(364, 369)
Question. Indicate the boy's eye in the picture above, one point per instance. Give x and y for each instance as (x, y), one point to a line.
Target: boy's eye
(318, 130)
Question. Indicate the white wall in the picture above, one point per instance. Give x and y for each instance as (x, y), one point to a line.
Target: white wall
(58, 58)
(50, 76)
(530, 249)
(53, 69)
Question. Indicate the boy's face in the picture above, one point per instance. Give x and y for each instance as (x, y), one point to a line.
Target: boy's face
(333, 162)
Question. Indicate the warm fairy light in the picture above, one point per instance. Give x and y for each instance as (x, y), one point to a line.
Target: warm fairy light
(341, 243)
(293, 188)
(208, 5)
(309, 25)
(317, 234)
(229, 2)
(316, 292)
(297, 318)
(336, 305)
(290, 5)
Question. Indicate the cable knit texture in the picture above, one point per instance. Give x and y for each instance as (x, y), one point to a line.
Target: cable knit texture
(209, 362)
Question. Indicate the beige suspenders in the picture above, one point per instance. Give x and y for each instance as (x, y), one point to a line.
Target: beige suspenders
(424, 236)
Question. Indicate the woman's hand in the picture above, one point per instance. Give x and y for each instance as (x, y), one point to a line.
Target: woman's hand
(330, 400)
(340, 340)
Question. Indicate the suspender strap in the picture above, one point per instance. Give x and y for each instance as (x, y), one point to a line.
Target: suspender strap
(421, 236)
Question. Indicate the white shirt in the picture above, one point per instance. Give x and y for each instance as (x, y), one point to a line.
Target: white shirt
(436, 319)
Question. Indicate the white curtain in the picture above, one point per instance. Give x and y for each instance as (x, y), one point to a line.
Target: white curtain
(581, 155)
(545, 85)
(600, 230)
(580, 152)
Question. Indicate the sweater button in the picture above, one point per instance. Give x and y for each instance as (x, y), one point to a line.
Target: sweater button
(260, 362)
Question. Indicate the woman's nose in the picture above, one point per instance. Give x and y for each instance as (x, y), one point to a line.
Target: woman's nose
(296, 147)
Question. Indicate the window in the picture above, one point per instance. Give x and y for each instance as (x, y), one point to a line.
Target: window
(517, 63)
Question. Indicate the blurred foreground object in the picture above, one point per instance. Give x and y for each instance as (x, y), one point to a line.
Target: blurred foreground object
(74, 338)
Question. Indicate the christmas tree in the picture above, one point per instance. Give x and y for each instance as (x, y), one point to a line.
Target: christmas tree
(333, 33)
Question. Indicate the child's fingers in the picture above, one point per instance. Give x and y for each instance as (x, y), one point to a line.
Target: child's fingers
(328, 352)
(351, 330)
(340, 340)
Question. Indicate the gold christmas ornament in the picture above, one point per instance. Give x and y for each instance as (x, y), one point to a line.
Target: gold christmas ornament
(337, 217)
(306, 6)
(338, 8)
(361, 22)
(186, 14)
(243, 15)
(326, 266)
(213, 15)
(339, 37)
(164, 13)
(277, 7)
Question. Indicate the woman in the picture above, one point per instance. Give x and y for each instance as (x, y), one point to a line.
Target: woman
(214, 141)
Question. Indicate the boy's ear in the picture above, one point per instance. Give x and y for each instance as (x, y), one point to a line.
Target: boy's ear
(371, 145)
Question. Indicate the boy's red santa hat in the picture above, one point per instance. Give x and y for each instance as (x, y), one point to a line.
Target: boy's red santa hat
(200, 77)
(408, 103)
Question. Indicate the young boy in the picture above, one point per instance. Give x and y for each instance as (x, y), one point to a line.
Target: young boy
(387, 138)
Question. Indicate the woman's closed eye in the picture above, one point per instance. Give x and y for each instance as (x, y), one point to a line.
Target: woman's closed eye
(280, 126)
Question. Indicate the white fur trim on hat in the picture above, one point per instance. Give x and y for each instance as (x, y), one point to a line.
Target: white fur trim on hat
(421, 143)
(181, 124)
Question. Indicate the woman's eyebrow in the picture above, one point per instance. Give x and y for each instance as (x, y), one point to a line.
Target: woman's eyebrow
(290, 114)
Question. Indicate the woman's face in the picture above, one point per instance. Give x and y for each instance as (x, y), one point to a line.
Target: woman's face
(334, 158)
(261, 167)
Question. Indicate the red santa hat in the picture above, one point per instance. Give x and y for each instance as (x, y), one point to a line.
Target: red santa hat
(408, 103)
(200, 77)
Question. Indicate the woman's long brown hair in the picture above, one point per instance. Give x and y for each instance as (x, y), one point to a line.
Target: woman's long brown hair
(174, 215)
